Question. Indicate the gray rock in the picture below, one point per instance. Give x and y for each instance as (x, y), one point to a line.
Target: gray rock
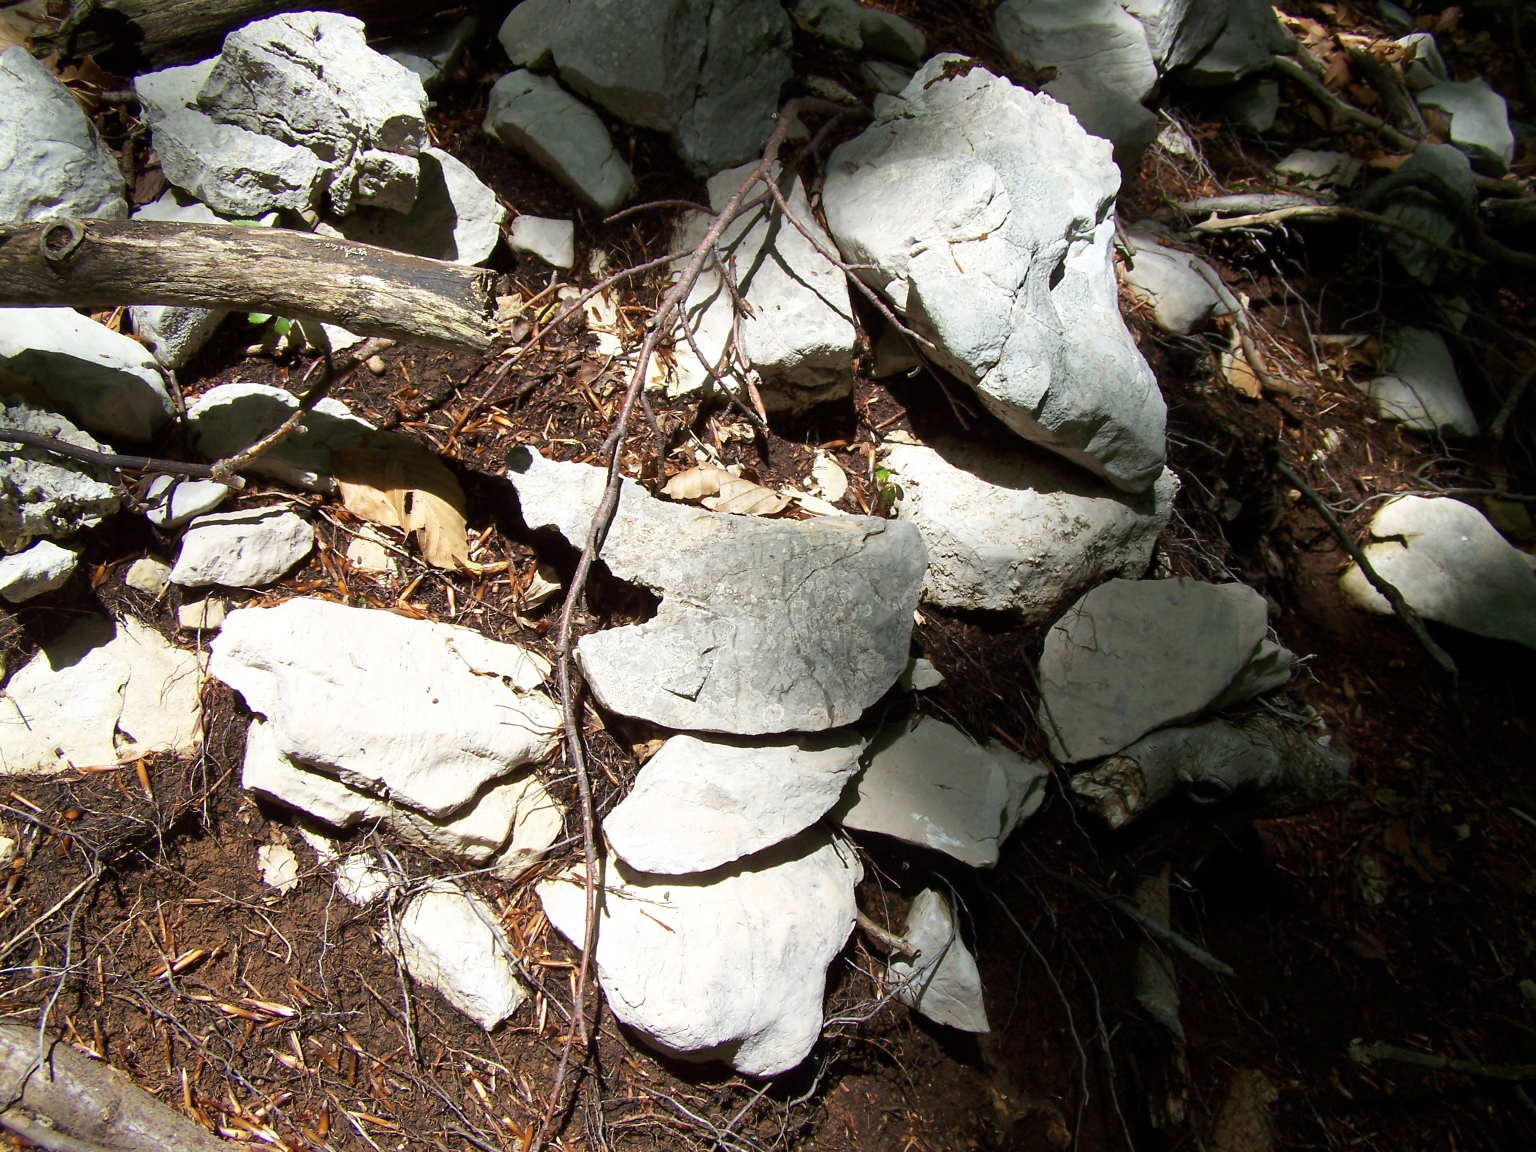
(309, 79)
(228, 418)
(174, 333)
(234, 171)
(1183, 291)
(1253, 103)
(327, 679)
(41, 568)
(1134, 655)
(927, 783)
(1003, 261)
(942, 982)
(43, 495)
(1317, 169)
(698, 804)
(1178, 30)
(885, 77)
(706, 72)
(1423, 67)
(552, 241)
(728, 965)
(1479, 122)
(171, 501)
(455, 217)
(509, 819)
(799, 336)
(1451, 566)
(100, 693)
(244, 549)
(562, 135)
(1101, 60)
(1022, 531)
(887, 34)
(206, 615)
(849, 25)
(1251, 37)
(1421, 211)
(452, 940)
(104, 381)
(437, 54)
(1419, 387)
(1397, 18)
(764, 625)
(148, 575)
(54, 163)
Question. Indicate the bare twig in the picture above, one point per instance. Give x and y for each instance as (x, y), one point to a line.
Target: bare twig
(1370, 1053)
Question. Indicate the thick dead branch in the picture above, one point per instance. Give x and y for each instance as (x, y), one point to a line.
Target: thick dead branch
(1362, 1053)
(62, 1100)
(365, 289)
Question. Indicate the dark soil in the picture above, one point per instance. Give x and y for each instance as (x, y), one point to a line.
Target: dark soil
(135, 925)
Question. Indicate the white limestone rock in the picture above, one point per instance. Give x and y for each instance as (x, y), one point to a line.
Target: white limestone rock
(421, 714)
(1002, 258)
(43, 495)
(849, 25)
(698, 804)
(1423, 66)
(928, 783)
(206, 615)
(1419, 387)
(100, 693)
(941, 982)
(1102, 62)
(232, 170)
(174, 332)
(38, 569)
(454, 217)
(102, 380)
(552, 241)
(228, 418)
(798, 336)
(564, 137)
(729, 965)
(371, 551)
(1178, 30)
(706, 72)
(1020, 531)
(52, 162)
(452, 940)
(1451, 566)
(764, 626)
(1479, 121)
(1318, 169)
(147, 575)
(883, 76)
(1183, 291)
(1134, 655)
(171, 501)
(243, 549)
(1249, 39)
(434, 56)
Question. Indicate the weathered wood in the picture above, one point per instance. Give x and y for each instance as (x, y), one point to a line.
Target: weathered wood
(67, 1102)
(165, 32)
(368, 290)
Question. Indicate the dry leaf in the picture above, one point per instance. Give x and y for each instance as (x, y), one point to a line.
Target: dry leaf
(695, 483)
(396, 484)
(827, 479)
(816, 506)
(20, 22)
(744, 498)
(543, 584)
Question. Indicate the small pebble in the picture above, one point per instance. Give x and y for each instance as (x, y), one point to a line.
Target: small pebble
(202, 615)
(376, 365)
(147, 575)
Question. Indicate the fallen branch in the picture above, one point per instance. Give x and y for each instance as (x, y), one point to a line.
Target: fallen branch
(366, 289)
(62, 1100)
(1362, 1053)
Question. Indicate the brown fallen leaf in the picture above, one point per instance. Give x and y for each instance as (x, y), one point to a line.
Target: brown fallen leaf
(744, 498)
(696, 483)
(395, 483)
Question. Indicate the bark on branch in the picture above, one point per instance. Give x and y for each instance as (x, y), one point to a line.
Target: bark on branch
(368, 290)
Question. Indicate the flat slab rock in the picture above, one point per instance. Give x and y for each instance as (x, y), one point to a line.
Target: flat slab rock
(452, 940)
(243, 549)
(423, 714)
(43, 495)
(39, 569)
(1419, 387)
(698, 804)
(1182, 289)
(942, 982)
(1452, 566)
(984, 214)
(101, 692)
(1134, 655)
(764, 626)
(1020, 531)
(730, 965)
(929, 784)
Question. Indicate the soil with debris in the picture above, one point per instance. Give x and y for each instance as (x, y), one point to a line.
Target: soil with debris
(134, 921)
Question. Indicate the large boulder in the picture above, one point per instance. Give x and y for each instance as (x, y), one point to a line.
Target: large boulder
(1450, 565)
(1020, 531)
(728, 965)
(764, 625)
(982, 211)
(1249, 39)
(798, 335)
(1178, 30)
(706, 72)
(52, 162)
(422, 714)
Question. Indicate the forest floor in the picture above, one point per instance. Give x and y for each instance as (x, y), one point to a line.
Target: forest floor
(1399, 915)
